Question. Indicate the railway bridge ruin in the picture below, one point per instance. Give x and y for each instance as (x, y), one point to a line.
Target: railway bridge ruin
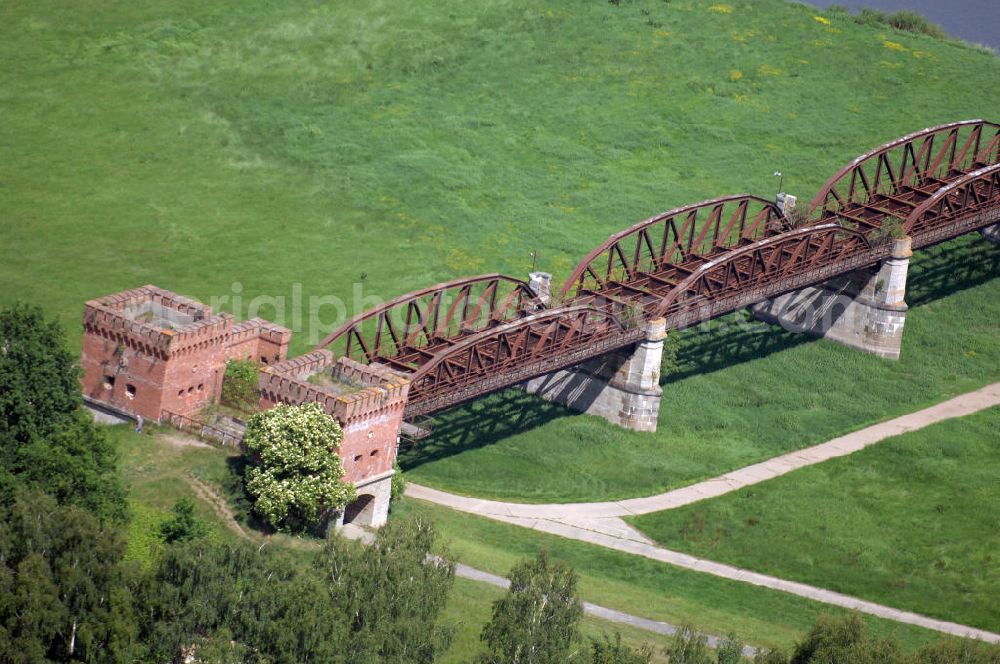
(836, 269)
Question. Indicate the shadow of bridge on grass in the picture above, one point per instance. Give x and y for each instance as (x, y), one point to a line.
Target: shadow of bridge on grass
(935, 272)
(480, 423)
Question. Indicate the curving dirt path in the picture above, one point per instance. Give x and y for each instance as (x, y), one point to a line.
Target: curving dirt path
(600, 523)
(218, 504)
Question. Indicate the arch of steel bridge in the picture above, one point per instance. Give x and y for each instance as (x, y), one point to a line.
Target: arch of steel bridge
(911, 161)
(978, 191)
(431, 323)
(561, 337)
(684, 236)
(837, 243)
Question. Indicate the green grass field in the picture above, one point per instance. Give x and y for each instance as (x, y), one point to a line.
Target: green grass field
(157, 473)
(760, 616)
(910, 522)
(300, 150)
(197, 144)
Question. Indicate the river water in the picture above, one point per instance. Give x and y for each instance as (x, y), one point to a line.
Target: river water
(975, 21)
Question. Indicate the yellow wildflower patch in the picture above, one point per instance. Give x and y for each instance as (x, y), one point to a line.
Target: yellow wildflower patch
(768, 70)
(820, 19)
(663, 33)
(735, 75)
(893, 46)
(721, 9)
(890, 65)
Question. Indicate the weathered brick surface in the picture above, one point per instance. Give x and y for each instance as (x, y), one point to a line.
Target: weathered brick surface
(369, 406)
(149, 351)
(259, 340)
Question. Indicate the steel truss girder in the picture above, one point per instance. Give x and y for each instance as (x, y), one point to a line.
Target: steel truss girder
(677, 236)
(431, 316)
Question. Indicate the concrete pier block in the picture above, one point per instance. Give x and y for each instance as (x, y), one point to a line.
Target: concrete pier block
(864, 309)
(622, 387)
(991, 233)
(541, 285)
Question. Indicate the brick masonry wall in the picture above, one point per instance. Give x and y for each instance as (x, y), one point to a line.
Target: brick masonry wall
(145, 369)
(260, 341)
(119, 371)
(149, 370)
(370, 417)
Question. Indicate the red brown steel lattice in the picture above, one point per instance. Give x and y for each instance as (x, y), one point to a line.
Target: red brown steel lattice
(466, 338)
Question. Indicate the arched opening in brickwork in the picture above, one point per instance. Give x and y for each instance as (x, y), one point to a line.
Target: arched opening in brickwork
(361, 511)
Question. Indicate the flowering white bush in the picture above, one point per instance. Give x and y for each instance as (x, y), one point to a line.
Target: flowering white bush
(294, 472)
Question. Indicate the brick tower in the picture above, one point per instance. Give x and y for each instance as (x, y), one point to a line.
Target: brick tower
(148, 351)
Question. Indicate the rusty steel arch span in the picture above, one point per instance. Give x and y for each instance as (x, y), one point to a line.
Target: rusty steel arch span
(412, 327)
(896, 177)
(676, 237)
(968, 203)
(469, 337)
(507, 354)
(766, 268)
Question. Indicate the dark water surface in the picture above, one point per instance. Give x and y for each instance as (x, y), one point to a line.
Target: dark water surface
(975, 21)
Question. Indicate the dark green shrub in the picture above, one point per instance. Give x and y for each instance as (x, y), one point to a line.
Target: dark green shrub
(398, 483)
(239, 385)
(913, 22)
(183, 526)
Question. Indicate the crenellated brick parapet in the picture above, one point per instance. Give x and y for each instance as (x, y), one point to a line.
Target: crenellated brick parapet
(352, 371)
(304, 365)
(277, 388)
(259, 340)
(156, 322)
(148, 350)
(367, 401)
(373, 401)
(149, 293)
(352, 393)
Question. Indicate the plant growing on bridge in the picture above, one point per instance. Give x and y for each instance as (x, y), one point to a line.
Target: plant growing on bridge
(294, 472)
(892, 228)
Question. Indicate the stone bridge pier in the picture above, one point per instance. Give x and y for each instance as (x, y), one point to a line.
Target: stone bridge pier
(865, 309)
(622, 387)
(992, 233)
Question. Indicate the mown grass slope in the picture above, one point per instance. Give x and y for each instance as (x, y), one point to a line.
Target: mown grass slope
(910, 522)
(270, 144)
